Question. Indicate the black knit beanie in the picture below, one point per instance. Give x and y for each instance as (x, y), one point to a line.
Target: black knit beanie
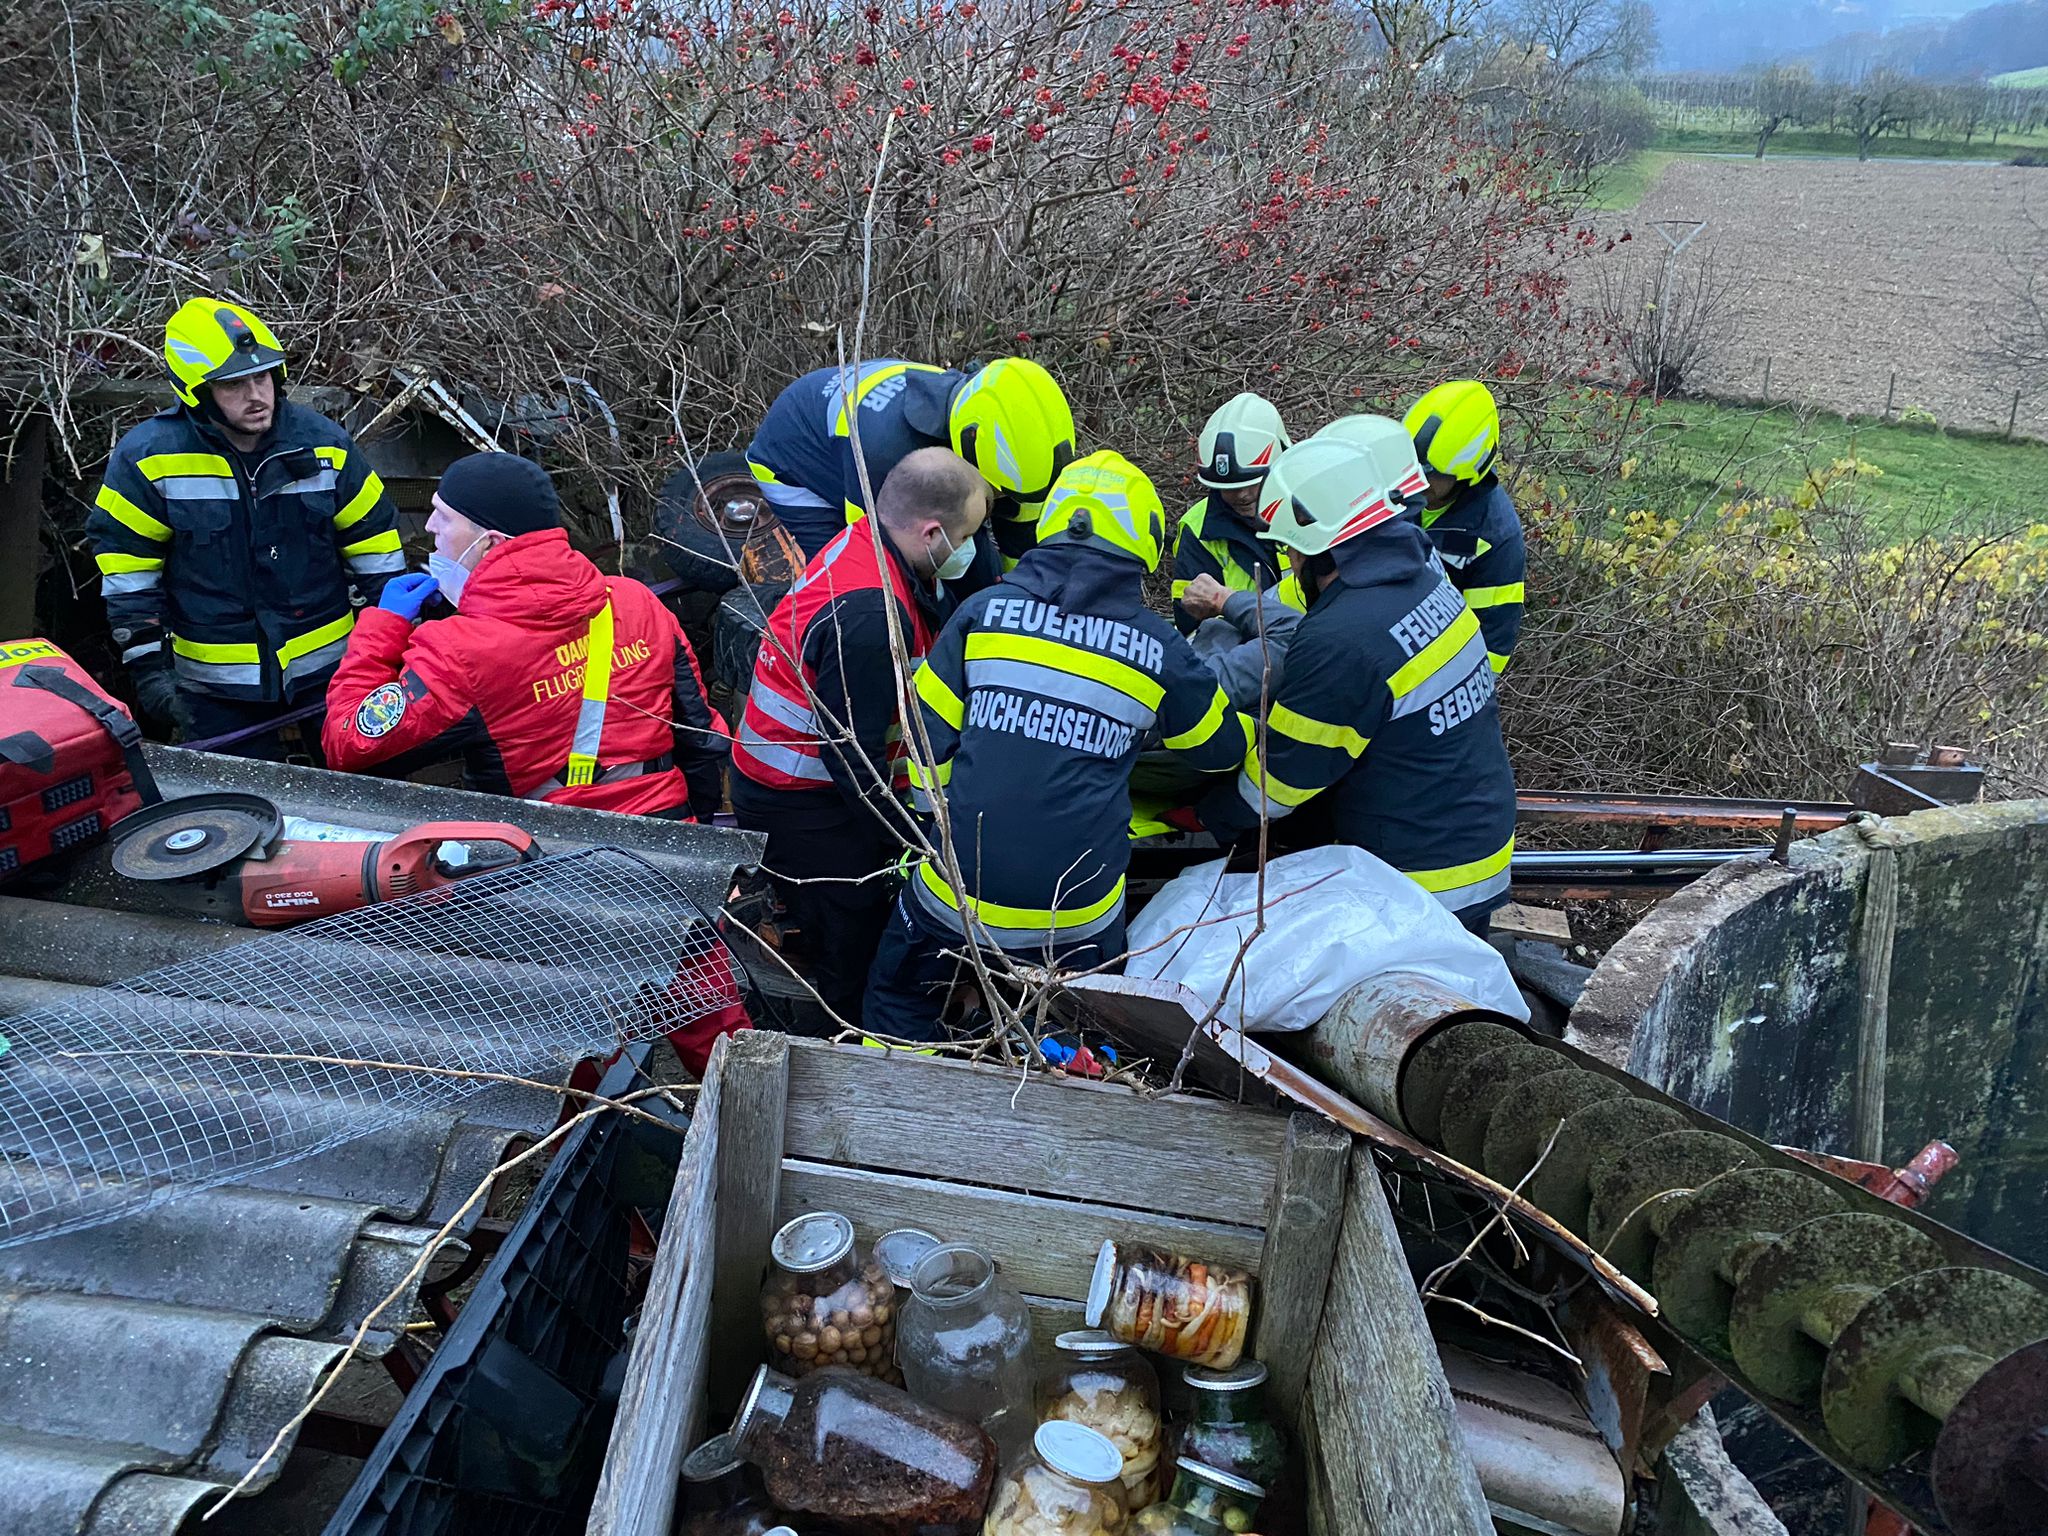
(503, 492)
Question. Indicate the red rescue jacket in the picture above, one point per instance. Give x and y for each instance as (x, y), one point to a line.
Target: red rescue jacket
(781, 741)
(501, 685)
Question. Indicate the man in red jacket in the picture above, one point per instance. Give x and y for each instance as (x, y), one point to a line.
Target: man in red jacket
(552, 681)
(504, 683)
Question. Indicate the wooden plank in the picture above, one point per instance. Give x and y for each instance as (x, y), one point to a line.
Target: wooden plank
(1092, 1141)
(1301, 1245)
(1044, 1246)
(1385, 1455)
(1519, 920)
(661, 1404)
(752, 1095)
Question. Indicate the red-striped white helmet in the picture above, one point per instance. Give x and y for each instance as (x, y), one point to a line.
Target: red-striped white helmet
(1240, 441)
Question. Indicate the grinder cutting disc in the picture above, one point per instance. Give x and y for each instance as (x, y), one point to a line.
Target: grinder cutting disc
(194, 835)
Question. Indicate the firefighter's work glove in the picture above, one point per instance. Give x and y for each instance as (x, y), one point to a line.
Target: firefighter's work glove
(406, 595)
(156, 694)
(1184, 818)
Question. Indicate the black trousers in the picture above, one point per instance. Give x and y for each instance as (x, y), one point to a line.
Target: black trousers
(819, 850)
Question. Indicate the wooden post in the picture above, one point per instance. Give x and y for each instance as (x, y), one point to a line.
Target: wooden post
(21, 515)
(1767, 381)
(2012, 421)
(1890, 394)
(754, 1100)
(1301, 1245)
(1385, 1456)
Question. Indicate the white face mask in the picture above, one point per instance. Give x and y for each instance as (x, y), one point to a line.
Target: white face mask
(452, 575)
(957, 561)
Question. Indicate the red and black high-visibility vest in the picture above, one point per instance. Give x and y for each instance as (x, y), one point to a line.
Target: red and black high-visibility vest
(780, 734)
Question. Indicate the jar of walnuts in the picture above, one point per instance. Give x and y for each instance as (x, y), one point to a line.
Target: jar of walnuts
(827, 1303)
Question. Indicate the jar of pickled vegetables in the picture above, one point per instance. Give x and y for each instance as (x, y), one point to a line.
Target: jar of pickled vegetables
(862, 1455)
(1171, 1304)
(826, 1303)
(966, 1344)
(1068, 1483)
(721, 1495)
(1108, 1386)
(1229, 1428)
(1204, 1502)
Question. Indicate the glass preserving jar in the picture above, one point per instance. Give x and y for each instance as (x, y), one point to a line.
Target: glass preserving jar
(862, 1454)
(825, 1303)
(1170, 1304)
(1108, 1386)
(1204, 1502)
(1068, 1482)
(899, 1253)
(1229, 1428)
(721, 1494)
(965, 1344)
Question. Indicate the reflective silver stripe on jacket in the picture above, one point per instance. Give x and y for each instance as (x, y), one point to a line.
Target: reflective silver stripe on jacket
(311, 485)
(1471, 655)
(197, 488)
(784, 759)
(1052, 683)
(372, 565)
(781, 710)
(232, 674)
(1462, 896)
(328, 655)
(114, 583)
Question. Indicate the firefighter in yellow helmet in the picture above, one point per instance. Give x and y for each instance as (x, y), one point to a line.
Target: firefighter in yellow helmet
(1008, 419)
(1468, 513)
(228, 531)
(1035, 699)
(1220, 535)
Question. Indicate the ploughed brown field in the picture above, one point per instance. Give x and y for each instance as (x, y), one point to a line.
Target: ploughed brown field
(1847, 271)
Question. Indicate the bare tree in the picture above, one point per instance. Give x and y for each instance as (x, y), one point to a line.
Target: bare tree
(1667, 323)
(1581, 37)
(1416, 31)
(2018, 344)
(1883, 100)
(1781, 94)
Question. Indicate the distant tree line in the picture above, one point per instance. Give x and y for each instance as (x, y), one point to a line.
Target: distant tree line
(1880, 102)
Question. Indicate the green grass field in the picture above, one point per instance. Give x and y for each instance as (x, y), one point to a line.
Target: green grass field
(1697, 451)
(1737, 140)
(2023, 79)
(1621, 186)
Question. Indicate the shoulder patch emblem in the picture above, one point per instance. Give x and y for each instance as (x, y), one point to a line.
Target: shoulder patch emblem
(380, 712)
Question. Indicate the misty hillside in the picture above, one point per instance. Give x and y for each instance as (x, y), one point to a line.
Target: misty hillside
(1933, 38)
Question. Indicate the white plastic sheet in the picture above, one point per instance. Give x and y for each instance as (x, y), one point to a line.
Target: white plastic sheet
(1335, 917)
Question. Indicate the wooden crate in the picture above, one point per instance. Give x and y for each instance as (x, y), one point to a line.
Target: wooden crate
(1038, 1171)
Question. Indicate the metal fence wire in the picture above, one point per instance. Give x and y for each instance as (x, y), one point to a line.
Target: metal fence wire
(290, 1043)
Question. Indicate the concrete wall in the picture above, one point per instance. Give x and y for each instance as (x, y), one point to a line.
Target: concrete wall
(1754, 994)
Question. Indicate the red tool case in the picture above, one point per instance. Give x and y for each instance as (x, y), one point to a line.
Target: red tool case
(70, 756)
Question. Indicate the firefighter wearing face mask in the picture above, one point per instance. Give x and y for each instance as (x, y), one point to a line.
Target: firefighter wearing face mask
(1220, 534)
(1385, 732)
(819, 764)
(1469, 516)
(228, 531)
(1008, 419)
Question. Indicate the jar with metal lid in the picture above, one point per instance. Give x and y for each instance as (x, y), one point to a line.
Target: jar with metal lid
(1204, 1502)
(1171, 1304)
(1068, 1482)
(863, 1455)
(1107, 1385)
(721, 1495)
(826, 1303)
(1228, 1426)
(966, 1343)
(899, 1252)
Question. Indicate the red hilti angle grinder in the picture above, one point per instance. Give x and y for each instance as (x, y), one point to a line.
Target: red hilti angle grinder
(235, 858)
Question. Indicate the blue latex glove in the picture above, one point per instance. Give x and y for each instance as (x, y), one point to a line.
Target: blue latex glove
(406, 595)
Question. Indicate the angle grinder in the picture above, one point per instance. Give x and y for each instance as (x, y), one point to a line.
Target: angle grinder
(236, 858)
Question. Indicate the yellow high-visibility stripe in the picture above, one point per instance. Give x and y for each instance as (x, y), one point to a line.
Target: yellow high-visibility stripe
(112, 565)
(997, 915)
(306, 644)
(1278, 792)
(1202, 729)
(163, 466)
(939, 697)
(1289, 592)
(864, 387)
(941, 773)
(1060, 657)
(338, 457)
(1315, 733)
(1495, 660)
(1423, 664)
(200, 650)
(360, 504)
(1463, 874)
(385, 543)
(854, 511)
(130, 516)
(1180, 590)
(1493, 597)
